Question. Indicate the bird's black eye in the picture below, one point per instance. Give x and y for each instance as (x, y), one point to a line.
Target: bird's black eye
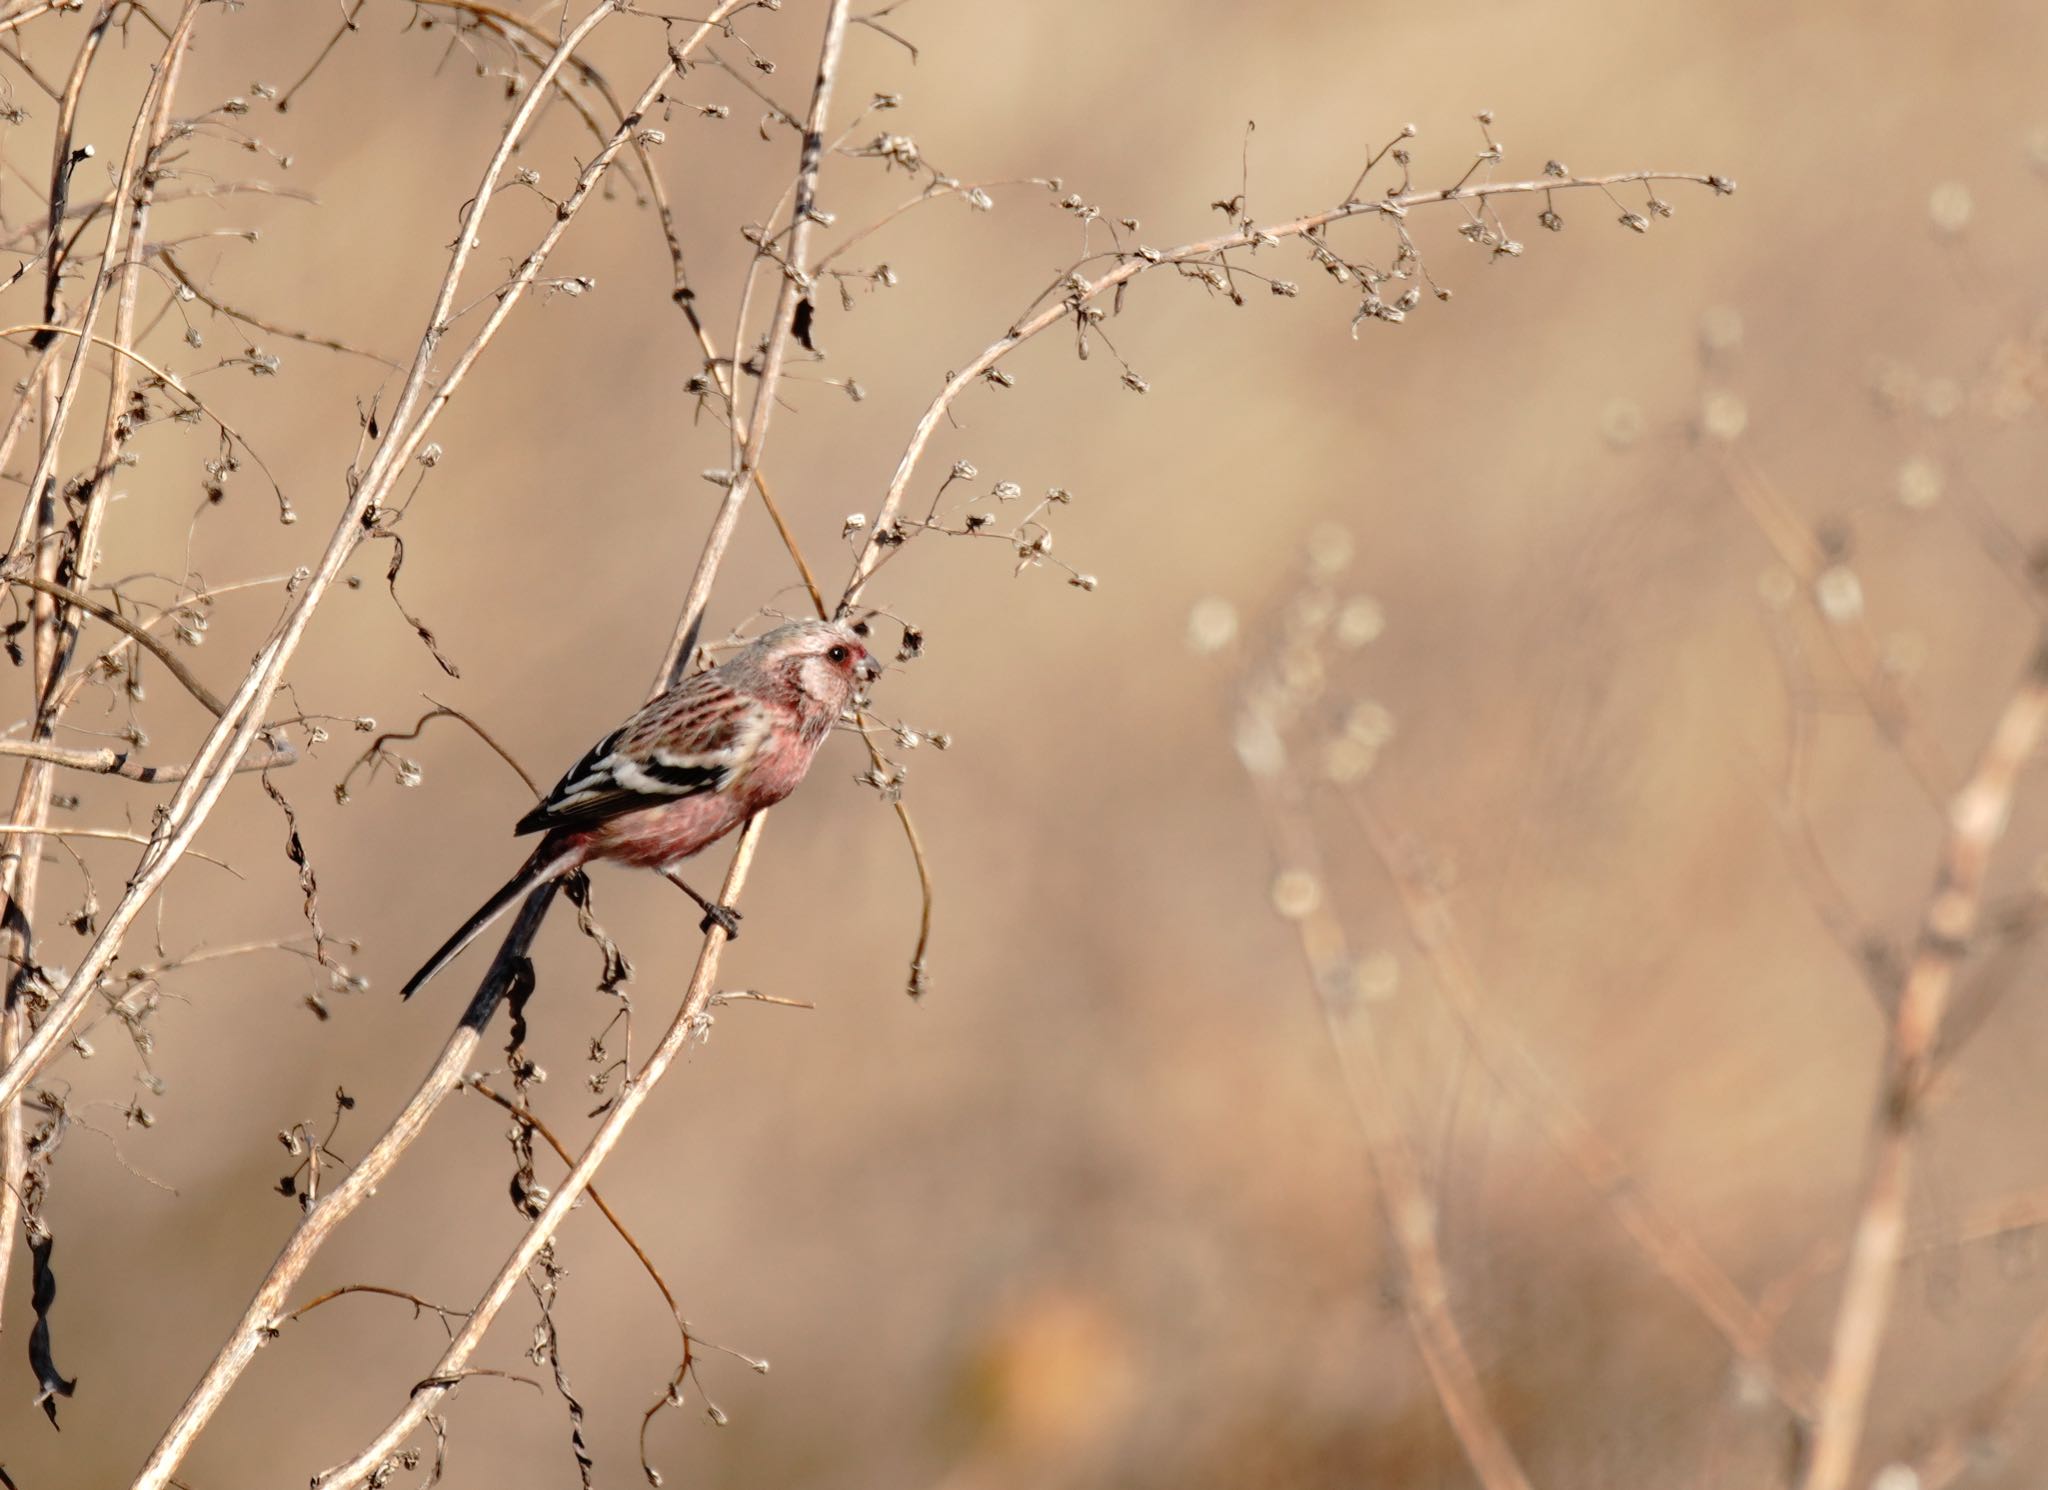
(837, 654)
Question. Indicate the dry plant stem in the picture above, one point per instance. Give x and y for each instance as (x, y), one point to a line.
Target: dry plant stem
(1081, 290)
(1403, 1194)
(266, 1311)
(784, 315)
(134, 631)
(56, 631)
(1977, 818)
(108, 761)
(334, 1207)
(428, 1394)
(1671, 1249)
(212, 764)
(1799, 551)
(448, 1371)
(1994, 1416)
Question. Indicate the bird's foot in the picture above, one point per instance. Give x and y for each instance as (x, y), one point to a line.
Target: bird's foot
(725, 918)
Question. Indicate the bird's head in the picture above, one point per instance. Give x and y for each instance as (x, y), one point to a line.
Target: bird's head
(827, 662)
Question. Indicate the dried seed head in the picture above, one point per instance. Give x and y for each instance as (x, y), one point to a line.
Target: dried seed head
(1919, 484)
(1360, 621)
(1258, 745)
(1839, 594)
(1296, 893)
(1212, 625)
(1724, 415)
(1951, 207)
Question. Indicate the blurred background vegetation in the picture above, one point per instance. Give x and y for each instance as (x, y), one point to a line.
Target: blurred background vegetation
(1095, 1211)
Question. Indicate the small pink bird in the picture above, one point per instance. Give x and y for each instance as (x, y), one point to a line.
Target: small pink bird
(687, 769)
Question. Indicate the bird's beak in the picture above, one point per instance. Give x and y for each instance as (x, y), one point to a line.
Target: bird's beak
(868, 668)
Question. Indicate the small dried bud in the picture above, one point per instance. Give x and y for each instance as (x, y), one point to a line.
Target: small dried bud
(1006, 491)
(1635, 221)
(1555, 168)
(430, 455)
(963, 470)
(1000, 378)
(1135, 383)
(980, 201)
(855, 521)
(1082, 581)
(1285, 288)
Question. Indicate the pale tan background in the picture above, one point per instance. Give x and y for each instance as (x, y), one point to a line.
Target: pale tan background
(1095, 1212)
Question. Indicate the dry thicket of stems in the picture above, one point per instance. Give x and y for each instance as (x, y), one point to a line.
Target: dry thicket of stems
(1314, 744)
(95, 282)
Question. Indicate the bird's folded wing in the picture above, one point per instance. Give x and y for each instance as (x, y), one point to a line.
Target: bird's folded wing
(681, 745)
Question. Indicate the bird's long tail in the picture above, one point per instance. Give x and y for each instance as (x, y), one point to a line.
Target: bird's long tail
(537, 875)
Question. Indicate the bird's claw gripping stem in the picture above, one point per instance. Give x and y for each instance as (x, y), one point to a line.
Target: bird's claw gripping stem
(724, 917)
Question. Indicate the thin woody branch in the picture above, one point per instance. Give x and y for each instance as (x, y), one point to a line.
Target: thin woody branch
(1977, 818)
(1078, 290)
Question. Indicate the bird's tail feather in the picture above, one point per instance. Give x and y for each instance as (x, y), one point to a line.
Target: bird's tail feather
(543, 867)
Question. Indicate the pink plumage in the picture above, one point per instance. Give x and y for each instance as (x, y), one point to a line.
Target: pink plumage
(688, 768)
